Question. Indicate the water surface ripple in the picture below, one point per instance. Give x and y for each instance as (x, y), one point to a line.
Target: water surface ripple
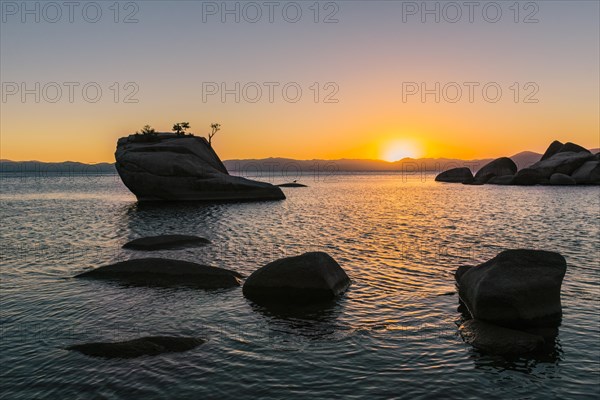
(392, 335)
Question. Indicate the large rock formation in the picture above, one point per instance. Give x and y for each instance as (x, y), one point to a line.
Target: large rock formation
(146, 346)
(499, 167)
(167, 166)
(455, 175)
(165, 272)
(515, 289)
(310, 277)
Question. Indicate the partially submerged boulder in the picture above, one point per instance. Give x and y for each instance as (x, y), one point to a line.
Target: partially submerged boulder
(499, 167)
(495, 339)
(455, 175)
(166, 166)
(516, 289)
(165, 272)
(163, 242)
(302, 279)
(291, 184)
(146, 346)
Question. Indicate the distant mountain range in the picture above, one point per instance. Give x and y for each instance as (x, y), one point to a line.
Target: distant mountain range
(291, 166)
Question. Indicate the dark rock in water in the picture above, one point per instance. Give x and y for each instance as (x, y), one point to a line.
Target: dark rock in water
(292, 184)
(301, 279)
(501, 180)
(495, 339)
(146, 346)
(172, 167)
(572, 148)
(517, 288)
(561, 179)
(499, 167)
(588, 173)
(455, 175)
(528, 177)
(165, 242)
(552, 150)
(165, 272)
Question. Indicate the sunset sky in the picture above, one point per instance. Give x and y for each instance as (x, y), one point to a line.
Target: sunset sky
(373, 56)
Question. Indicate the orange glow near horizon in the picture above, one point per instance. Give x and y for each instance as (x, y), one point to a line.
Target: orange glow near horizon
(399, 149)
(352, 77)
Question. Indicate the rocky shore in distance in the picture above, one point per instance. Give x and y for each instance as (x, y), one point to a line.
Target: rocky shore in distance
(561, 164)
(175, 167)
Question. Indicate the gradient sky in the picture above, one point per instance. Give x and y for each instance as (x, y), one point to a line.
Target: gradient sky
(369, 53)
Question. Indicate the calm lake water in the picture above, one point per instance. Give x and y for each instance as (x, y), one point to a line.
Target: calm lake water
(392, 335)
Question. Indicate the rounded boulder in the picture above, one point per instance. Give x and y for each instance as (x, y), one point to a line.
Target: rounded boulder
(306, 278)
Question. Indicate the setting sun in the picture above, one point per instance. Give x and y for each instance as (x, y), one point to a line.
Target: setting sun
(398, 150)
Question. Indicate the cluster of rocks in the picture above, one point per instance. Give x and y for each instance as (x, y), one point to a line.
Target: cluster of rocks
(512, 301)
(299, 280)
(561, 164)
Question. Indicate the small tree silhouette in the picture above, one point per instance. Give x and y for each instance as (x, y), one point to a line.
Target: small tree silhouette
(177, 129)
(147, 130)
(180, 127)
(215, 128)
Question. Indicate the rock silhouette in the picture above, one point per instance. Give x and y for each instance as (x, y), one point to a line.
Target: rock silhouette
(165, 272)
(456, 175)
(515, 289)
(569, 159)
(146, 346)
(174, 167)
(302, 279)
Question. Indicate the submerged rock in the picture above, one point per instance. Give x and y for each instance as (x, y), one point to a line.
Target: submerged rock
(291, 184)
(455, 175)
(174, 167)
(561, 179)
(146, 346)
(516, 289)
(162, 242)
(495, 339)
(310, 277)
(499, 167)
(165, 272)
